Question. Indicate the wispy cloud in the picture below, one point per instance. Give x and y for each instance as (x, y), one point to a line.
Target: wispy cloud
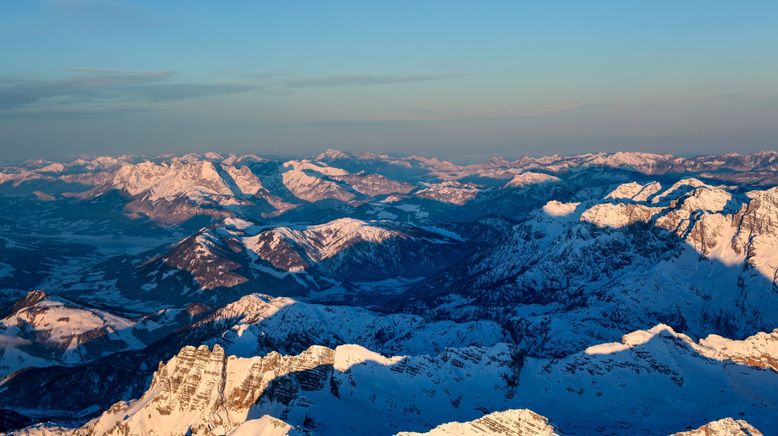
(362, 80)
(179, 91)
(91, 112)
(99, 85)
(90, 91)
(93, 70)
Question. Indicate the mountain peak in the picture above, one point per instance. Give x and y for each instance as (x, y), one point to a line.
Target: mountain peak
(723, 427)
(531, 178)
(33, 297)
(511, 422)
(332, 154)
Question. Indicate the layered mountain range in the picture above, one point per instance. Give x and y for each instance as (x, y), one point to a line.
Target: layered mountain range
(607, 293)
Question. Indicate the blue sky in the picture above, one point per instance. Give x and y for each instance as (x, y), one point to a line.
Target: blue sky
(458, 79)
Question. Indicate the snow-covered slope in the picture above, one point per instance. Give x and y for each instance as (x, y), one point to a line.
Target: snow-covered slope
(311, 182)
(318, 242)
(635, 191)
(759, 350)
(195, 180)
(531, 178)
(700, 258)
(202, 391)
(508, 423)
(723, 427)
(265, 426)
(363, 293)
(43, 331)
(245, 180)
(653, 382)
(329, 261)
(261, 323)
(348, 249)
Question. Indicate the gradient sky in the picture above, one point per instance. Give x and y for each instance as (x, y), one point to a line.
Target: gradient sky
(458, 79)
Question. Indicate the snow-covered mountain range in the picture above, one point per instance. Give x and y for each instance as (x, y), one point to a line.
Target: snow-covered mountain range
(605, 293)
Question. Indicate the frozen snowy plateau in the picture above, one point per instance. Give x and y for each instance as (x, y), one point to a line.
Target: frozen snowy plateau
(369, 294)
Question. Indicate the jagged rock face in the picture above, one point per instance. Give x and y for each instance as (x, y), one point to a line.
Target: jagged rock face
(260, 324)
(759, 350)
(747, 236)
(175, 192)
(32, 298)
(619, 215)
(606, 387)
(192, 179)
(757, 224)
(246, 181)
(392, 394)
(508, 423)
(657, 256)
(723, 427)
(202, 391)
(351, 390)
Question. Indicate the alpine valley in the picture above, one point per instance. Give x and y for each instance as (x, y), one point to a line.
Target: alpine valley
(371, 294)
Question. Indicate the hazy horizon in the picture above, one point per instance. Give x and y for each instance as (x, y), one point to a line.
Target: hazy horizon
(455, 80)
(460, 160)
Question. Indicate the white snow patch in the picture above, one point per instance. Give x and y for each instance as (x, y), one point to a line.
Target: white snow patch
(559, 209)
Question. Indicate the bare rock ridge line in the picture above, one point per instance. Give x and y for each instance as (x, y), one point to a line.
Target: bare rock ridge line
(723, 427)
(203, 391)
(507, 423)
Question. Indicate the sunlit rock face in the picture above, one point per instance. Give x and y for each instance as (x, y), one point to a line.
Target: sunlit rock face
(690, 240)
(202, 391)
(509, 422)
(723, 427)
